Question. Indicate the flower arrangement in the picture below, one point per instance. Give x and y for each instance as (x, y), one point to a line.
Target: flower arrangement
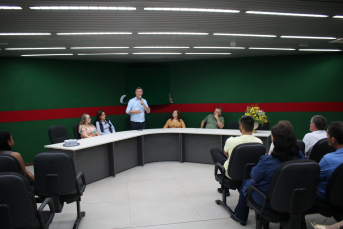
(258, 115)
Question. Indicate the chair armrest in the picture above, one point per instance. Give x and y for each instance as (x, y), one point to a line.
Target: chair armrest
(50, 202)
(250, 190)
(247, 170)
(82, 175)
(217, 167)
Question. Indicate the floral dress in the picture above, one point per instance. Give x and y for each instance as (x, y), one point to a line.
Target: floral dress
(91, 131)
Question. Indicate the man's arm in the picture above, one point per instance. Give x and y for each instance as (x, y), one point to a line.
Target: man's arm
(220, 125)
(146, 108)
(202, 124)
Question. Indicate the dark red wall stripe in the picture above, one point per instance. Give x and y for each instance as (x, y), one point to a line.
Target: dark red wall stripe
(36, 115)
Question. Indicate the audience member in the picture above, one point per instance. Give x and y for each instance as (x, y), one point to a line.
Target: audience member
(285, 149)
(246, 126)
(103, 125)
(317, 126)
(214, 121)
(285, 123)
(6, 144)
(338, 225)
(331, 161)
(86, 129)
(136, 108)
(175, 121)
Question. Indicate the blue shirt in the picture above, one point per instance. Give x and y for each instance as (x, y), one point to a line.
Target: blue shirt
(328, 164)
(134, 105)
(106, 127)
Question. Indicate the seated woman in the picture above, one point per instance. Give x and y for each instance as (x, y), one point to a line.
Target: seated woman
(285, 123)
(103, 125)
(86, 129)
(6, 144)
(175, 121)
(285, 149)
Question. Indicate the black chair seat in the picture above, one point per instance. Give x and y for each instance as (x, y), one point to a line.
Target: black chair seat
(230, 184)
(272, 216)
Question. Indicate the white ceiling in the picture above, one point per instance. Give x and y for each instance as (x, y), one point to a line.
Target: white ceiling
(140, 20)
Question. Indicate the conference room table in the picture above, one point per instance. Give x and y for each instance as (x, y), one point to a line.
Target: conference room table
(104, 156)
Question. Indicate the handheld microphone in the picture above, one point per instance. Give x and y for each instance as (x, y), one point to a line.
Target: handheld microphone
(140, 97)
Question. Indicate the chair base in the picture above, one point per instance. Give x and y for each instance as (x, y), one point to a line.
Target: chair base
(227, 208)
(78, 220)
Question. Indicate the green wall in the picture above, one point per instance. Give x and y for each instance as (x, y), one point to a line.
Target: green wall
(33, 84)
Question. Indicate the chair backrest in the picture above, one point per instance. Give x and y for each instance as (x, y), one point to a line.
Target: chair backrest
(58, 134)
(8, 163)
(293, 186)
(264, 127)
(320, 149)
(301, 145)
(169, 116)
(233, 125)
(76, 131)
(56, 167)
(334, 190)
(17, 202)
(244, 154)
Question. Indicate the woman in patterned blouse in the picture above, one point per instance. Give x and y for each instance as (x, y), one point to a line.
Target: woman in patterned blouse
(175, 121)
(86, 129)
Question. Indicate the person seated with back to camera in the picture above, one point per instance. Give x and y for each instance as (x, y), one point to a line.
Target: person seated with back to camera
(86, 129)
(175, 121)
(103, 125)
(285, 149)
(6, 144)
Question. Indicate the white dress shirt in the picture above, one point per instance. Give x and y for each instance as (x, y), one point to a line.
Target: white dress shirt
(312, 138)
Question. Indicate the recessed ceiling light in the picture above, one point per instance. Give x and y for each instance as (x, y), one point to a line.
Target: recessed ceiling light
(80, 8)
(157, 53)
(92, 54)
(35, 48)
(206, 53)
(161, 47)
(60, 54)
(283, 49)
(96, 33)
(99, 47)
(338, 16)
(309, 37)
(213, 47)
(286, 14)
(243, 35)
(24, 34)
(191, 9)
(171, 33)
(10, 8)
(321, 50)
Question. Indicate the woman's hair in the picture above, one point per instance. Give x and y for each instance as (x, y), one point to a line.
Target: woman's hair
(5, 136)
(83, 119)
(286, 123)
(178, 115)
(285, 143)
(97, 119)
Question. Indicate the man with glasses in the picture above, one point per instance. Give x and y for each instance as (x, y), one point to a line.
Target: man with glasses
(213, 121)
(317, 126)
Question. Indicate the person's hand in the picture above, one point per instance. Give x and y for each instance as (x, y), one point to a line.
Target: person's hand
(216, 116)
(226, 154)
(142, 102)
(138, 111)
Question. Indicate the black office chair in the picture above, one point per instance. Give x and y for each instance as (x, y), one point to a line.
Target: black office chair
(234, 125)
(291, 192)
(76, 131)
(243, 158)
(320, 149)
(58, 134)
(169, 116)
(264, 127)
(55, 177)
(301, 145)
(334, 193)
(18, 208)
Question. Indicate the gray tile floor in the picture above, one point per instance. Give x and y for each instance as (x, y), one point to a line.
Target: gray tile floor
(162, 195)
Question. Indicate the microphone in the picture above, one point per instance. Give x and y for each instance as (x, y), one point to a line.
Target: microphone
(140, 97)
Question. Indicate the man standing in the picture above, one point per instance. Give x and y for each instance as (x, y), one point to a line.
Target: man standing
(246, 126)
(136, 108)
(214, 121)
(317, 126)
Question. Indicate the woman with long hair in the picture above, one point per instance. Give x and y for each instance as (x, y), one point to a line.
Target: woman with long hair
(103, 125)
(86, 129)
(6, 144)
(175, 121)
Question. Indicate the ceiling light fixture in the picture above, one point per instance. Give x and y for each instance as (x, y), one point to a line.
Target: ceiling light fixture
(99, 47)
(60, 54)
(161, 47)
(25, 34)
(171, 33)
(286, 14)
(283, 49)
(80, 8)
(157, 53)
(96, 33)
(35, 48)
(206, 53)
(10, 8)
(338, 16)
(309, 37)
(321, 50)
(242, 35)
(191, 9)
(213, 47)
(92, 54)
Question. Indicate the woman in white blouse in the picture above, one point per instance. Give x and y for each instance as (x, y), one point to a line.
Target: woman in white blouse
(103, 125)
